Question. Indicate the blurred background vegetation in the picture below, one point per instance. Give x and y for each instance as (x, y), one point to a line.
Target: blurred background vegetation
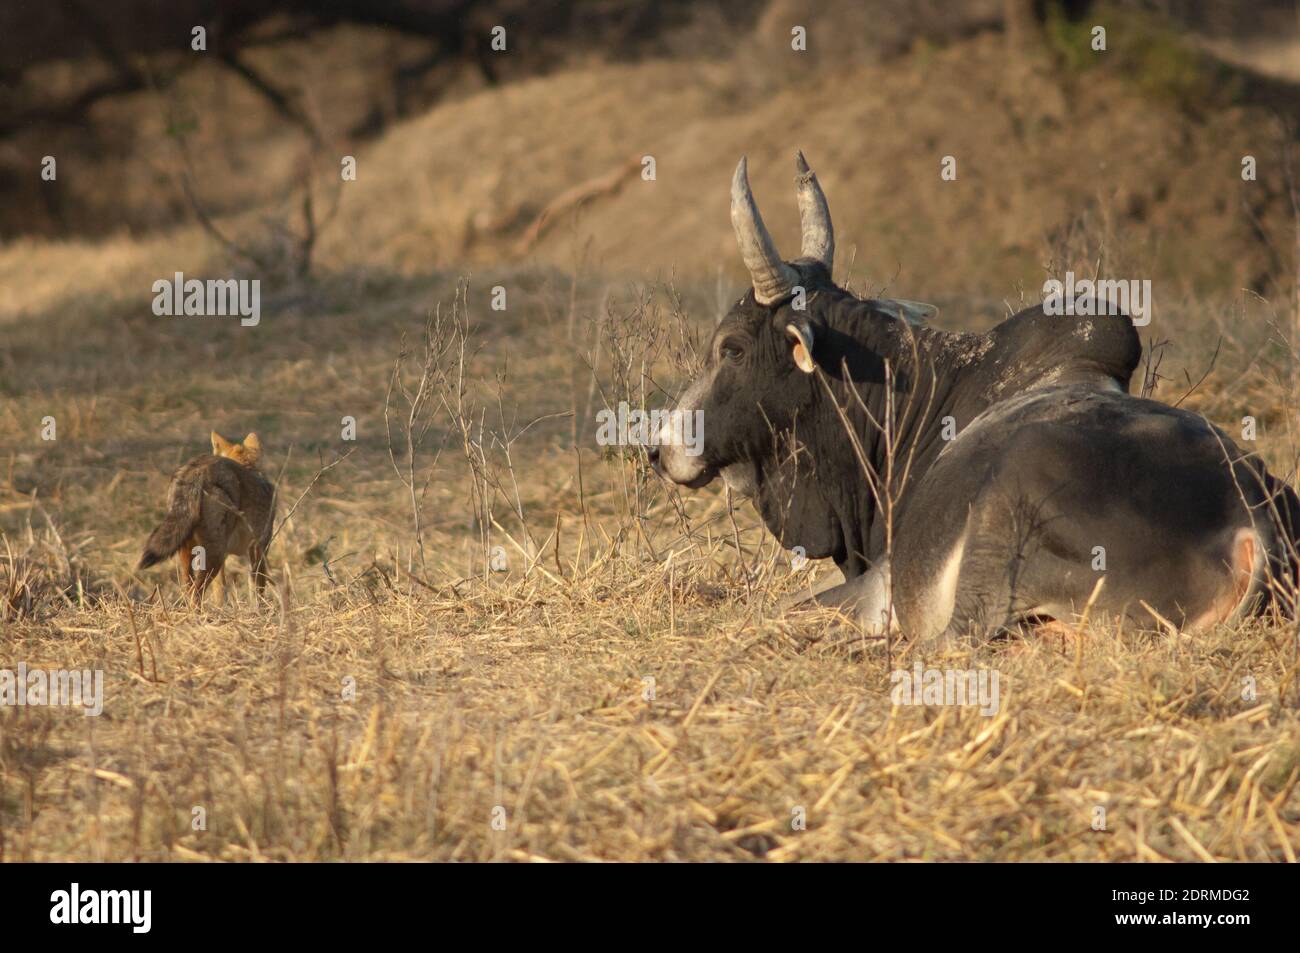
(462, 147)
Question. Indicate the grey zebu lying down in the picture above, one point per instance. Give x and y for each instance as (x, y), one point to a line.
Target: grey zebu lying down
(1011, 519)
(1015, 466)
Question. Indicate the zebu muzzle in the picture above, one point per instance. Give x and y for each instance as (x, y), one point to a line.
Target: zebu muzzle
(702, 478)
(673, 458)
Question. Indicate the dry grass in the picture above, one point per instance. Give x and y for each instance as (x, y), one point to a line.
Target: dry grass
(530, 689)
(531, 696)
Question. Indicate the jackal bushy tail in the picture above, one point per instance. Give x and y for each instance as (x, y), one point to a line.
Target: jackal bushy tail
(217, 504)
(183, 501)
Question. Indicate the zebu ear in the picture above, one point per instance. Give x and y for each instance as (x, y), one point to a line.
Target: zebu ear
(916, 313)
(802, 334)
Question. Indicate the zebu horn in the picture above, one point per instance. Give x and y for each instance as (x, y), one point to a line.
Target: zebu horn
(818, 236)
(773, 279)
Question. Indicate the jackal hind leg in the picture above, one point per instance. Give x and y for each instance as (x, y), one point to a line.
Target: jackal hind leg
(185, 568)
(257, 566)
(215, 563)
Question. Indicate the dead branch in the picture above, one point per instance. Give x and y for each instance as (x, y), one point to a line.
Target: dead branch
(571, 199)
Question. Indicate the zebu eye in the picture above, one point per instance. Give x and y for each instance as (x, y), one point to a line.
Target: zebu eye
(731, 352)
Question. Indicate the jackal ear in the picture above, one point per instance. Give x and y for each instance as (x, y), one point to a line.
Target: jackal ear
(253, 447)
(219, 444)
(802, 334)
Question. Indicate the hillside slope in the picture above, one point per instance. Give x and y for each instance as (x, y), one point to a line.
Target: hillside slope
(1163, 190)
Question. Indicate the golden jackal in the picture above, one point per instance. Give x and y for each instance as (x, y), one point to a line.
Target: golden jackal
(217, 503)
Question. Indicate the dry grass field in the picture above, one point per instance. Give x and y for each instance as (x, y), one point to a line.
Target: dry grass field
(501, 641)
